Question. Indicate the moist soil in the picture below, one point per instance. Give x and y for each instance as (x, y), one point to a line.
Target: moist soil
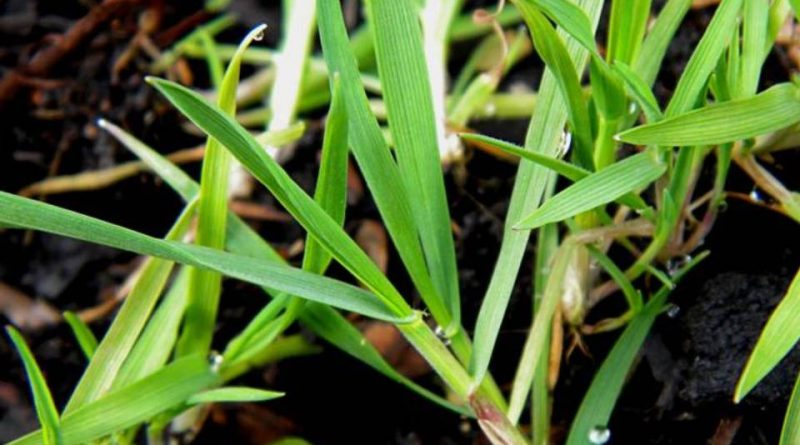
(679, 393)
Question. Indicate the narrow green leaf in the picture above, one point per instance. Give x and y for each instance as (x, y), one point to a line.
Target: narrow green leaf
(597, 189)
(375, 160)
(567, 15)
(705, 57)
(535, 341)
(407, 93)
(331, 190)
(135, 310)
(531, 181)
(212, 211)
(243, 240)
(754, 46)
(633, 297)
(551, 49)
(39, 216)
(154, 347)
(780, 334)
(772, 110)
(640, 92)
(790, 433)
(658, 38)
(627, 26)
(308, 213)
(86, 339)
(42, 399)
(563, 168)
(599, 401)
(233, 394)
(137, 403)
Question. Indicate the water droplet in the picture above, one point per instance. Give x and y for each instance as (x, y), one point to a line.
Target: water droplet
(215, 360)
(755, 195)
(673, 310)
(632, 108)
(490, 109)
(563, 146)
(674, 265)
(260, 33)
(599, 435)
(440, 332)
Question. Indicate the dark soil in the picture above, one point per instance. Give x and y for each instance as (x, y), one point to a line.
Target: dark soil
(679, 393)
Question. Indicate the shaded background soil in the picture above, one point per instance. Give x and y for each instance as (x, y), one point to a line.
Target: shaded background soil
(679, 393)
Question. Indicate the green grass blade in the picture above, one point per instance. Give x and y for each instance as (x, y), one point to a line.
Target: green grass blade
(597, 189)
(331, 189)
(139, 402)
(568, 16)
(407, 93)
(705, 57)
(790, 433)
(627, 26)
(233, 394)
(42, 399)
(86, 339)
(563, 168)
(552, 50)
(598, 402)
(212, 210)
(325, 321)
(640, 92)
(153, 348)
(777, 338)
(132, 316)
(754, 41)
(34, 215)
(308, 213)
(772, 110)
(658, 39)
(540, 331)
(375, 160)
(633, 297)
(543, 136)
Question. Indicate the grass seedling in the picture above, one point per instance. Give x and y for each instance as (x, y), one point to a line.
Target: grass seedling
(155, 362)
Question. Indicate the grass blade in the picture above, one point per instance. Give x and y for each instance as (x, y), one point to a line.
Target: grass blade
(598, 402)
(627, 26)
(567, 15)
(780, 334)
(243, 240)
(233, 394)
(42, 399)
(35, 215)
(133, 405)
(407, 93)
(705, 57)
(543, 136)
(551, 49)
(375, 160)
(640, 92)
(86, 339)
(154, 346)
(308, 213)
(131, 318)
(772, 110)
(205, 286)
(790, 433)
(597, 189)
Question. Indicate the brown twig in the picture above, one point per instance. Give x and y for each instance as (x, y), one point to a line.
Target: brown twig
(45, 59)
